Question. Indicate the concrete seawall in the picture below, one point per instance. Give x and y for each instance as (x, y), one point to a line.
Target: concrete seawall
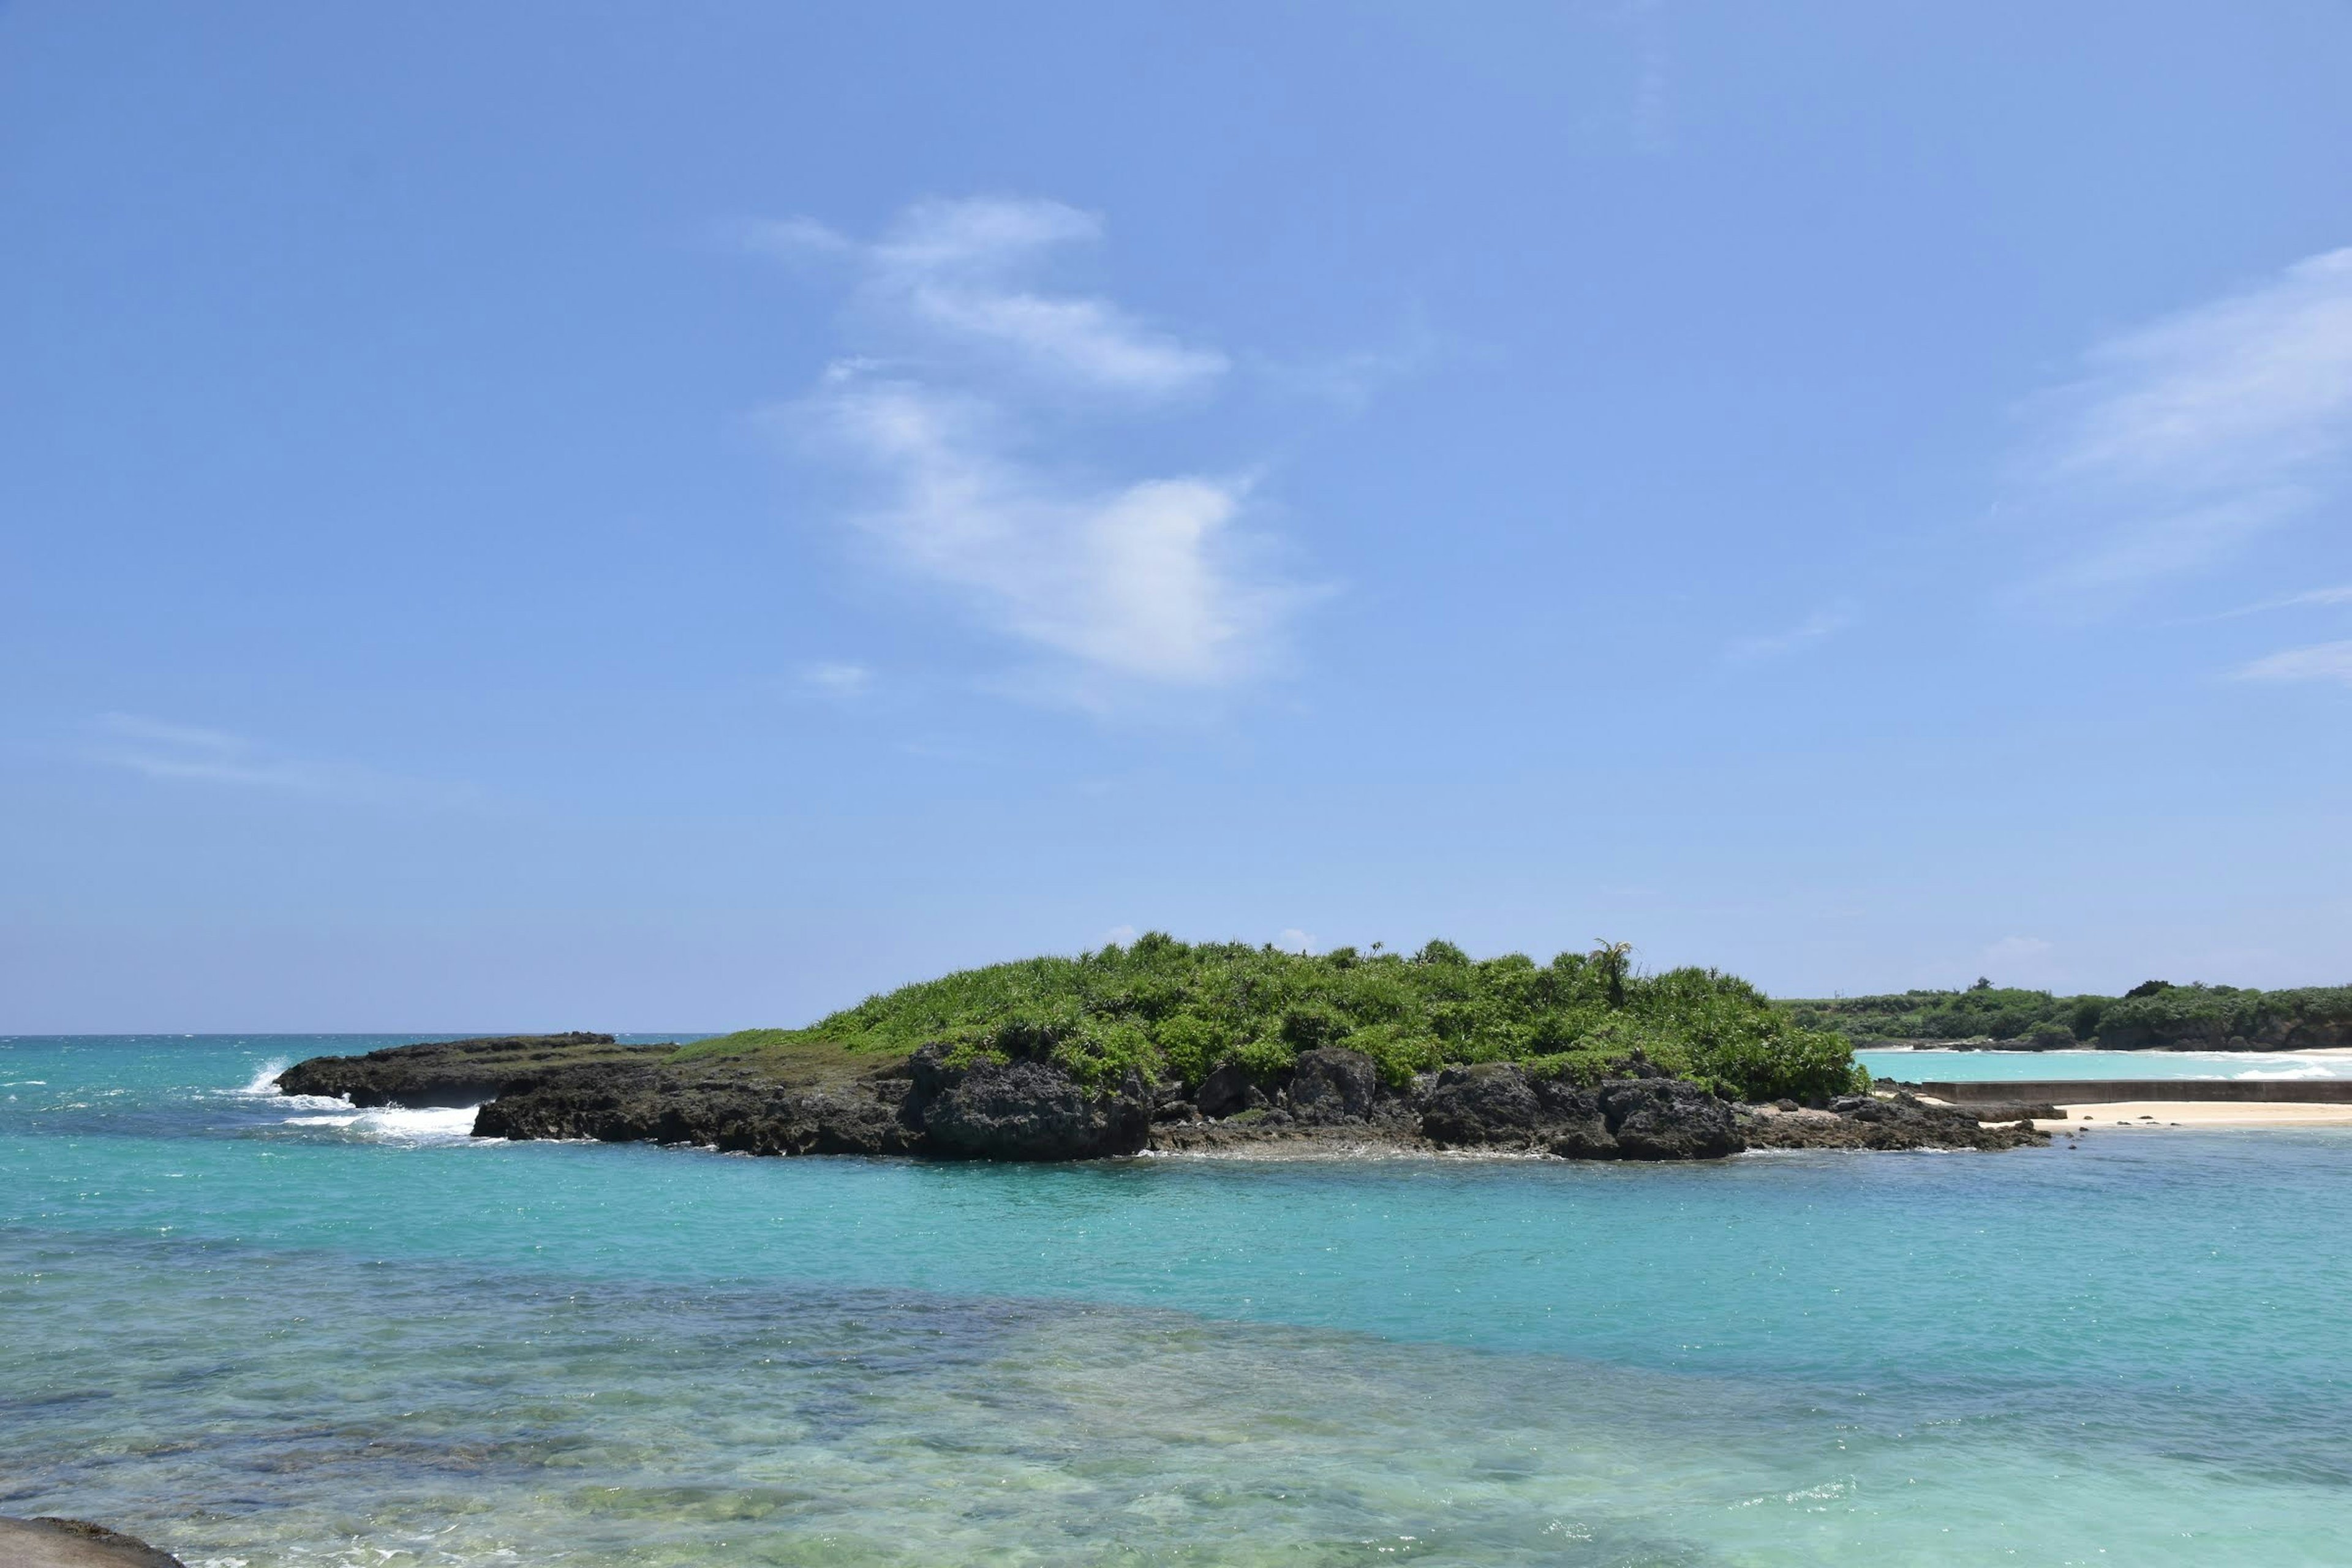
(2113, 1091)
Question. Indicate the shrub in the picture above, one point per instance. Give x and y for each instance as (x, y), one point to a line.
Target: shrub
(2153, 1013)
(1174, 1010)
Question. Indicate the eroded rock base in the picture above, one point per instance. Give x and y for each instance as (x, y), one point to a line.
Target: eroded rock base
(1332, 1100)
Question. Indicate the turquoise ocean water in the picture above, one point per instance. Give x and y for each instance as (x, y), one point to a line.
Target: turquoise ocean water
(2009, 1067)
(267, 1332)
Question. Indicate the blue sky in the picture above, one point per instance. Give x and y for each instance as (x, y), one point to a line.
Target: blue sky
(676, 516)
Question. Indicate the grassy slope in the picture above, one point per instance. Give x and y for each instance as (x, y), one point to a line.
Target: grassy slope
(1177, 1010)
(802, 1058)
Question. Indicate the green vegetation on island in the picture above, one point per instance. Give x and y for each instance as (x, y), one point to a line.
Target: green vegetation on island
(1175, 1012)
(2153, 1014)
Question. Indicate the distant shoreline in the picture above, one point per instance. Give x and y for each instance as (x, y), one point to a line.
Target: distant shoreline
(2193, 1115)
(1957, 1049)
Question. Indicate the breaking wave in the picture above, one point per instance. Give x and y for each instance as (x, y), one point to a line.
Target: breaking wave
(394, 1124)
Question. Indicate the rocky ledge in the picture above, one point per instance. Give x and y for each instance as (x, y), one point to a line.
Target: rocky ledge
(1031, 1110)
(1893, 1121)
(443, 1074)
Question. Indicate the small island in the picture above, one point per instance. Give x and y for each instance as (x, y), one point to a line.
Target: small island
(1174, 1047)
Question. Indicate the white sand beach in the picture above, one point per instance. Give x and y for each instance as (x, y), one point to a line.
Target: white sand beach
(2155, 1115)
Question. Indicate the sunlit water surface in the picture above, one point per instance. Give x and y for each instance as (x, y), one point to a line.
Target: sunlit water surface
(2009, 1067)
(265, 1331)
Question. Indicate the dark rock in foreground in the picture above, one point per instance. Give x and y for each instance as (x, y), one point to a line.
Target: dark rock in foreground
(446, 1073)
(48, 1543)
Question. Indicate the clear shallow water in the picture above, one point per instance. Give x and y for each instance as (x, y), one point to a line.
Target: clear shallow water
(2008, 1066)
(279, 1333)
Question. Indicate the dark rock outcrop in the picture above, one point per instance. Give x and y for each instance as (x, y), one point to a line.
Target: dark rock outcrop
(1016, 1111)
(1228, 1091)
(1330, 1087)
(623, 1103)
(1030, 1108)
(1491, 1102)
(1895, 1121)
(49, 1542)
(1669, 1119)
(1634, 1117)
(2017, 1111)
(1025, 1110)
(443, 1073)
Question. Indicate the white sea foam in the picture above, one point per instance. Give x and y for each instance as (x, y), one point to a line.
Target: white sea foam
(265, 1077)
(2305, 1069)
(390, 1123)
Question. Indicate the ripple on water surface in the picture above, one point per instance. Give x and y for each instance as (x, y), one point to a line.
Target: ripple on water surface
(280, 1343)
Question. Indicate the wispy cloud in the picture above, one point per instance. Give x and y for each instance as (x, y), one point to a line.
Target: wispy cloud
(961, 274)
(792, 237)
(2187, 436)
(158, 748)
(1347, 383)
(1812, 630)
(2321, 661)
(2316, 598)
(1149, 580)
(839, 682)
(1654, 129)
(1128, 580)
(2337, 596)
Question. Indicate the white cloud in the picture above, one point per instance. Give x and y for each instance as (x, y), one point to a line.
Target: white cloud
(1088, 341)
(2190, 435)
(2322, 661)
(956, 268)
(1294, 941)
(1119, 936)
(1812, 630)
(1150, 579)
(956, 271)
(1347, 383)
(156, 749)
(794, 236)
(979, 234)
(842, 682)
(1139, 581)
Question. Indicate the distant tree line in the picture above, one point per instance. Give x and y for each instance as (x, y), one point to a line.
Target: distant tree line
(2155, 1013)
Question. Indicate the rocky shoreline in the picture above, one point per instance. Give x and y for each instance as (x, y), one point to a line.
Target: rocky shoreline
(586, 1086)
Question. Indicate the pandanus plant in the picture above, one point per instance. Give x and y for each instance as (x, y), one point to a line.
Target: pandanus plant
(1611, 958)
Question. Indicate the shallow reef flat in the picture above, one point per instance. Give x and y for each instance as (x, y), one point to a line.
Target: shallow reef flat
(326, 1340)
